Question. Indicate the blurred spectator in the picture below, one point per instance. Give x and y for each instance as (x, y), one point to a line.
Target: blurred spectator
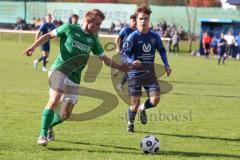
(20, 24)
(112, 28)
(118, 27)
(175, 42)
(181, 32)
(32, 24)
(206, 40)
(57, 22)
(230, 43)
(238, 45)
(38, 23)
(168, 35)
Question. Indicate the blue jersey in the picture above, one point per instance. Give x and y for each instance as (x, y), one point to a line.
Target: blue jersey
(238, 40)
(46, 28)
(142, 47)
(123, 34)
(222, 47)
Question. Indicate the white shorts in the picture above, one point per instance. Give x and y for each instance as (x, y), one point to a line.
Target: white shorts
(60, 82)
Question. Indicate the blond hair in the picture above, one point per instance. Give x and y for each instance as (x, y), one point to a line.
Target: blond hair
(92, 14)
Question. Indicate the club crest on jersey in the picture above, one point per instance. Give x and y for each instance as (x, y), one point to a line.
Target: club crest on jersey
(146, 47)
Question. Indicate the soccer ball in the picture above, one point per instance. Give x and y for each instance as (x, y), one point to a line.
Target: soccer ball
(150, 144)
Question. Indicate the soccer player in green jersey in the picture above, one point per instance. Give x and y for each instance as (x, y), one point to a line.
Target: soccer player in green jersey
(76, 43)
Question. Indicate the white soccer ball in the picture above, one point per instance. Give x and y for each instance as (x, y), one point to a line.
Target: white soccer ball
(150, 144)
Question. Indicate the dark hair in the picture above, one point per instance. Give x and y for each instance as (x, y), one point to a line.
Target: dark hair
(144, 9)
(75, 16)
(133, 16)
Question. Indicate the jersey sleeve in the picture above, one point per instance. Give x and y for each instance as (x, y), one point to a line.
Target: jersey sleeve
(162, 51)
(98, 49)
(122, 33)
(63, 30)
(127, 50)
(42, 26)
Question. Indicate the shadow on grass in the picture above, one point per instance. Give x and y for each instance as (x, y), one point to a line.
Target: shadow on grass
(102, 145)
(192, 136)
(206, 95)
(135, 151)
(203, 83)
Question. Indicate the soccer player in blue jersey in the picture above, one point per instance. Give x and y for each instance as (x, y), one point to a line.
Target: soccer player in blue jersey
(222, 45)
(123, 34)
(139, 53)
(45, 28)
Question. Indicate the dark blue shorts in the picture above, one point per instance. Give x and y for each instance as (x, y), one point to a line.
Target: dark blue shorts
(221, 52)
(45, 47)
(149, 83)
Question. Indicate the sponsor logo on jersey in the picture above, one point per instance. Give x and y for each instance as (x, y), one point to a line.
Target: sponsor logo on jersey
(81, 46)
(146, 47)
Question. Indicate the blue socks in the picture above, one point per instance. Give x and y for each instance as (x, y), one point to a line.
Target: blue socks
(131, 116)
(148, 104)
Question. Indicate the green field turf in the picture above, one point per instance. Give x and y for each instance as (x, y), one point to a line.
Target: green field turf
(203, 112)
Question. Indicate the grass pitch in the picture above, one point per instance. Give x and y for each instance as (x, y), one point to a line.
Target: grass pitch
(198, 119)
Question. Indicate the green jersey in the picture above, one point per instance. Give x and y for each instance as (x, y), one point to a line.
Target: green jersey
(75, 47)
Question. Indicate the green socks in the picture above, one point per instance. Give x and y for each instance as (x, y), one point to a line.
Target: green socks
(47, 118)
(56, 120)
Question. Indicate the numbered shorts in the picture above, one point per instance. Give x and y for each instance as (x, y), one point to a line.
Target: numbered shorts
(59, 82)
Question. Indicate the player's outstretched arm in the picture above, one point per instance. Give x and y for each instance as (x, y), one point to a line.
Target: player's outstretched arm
(43, 39)
(109, 62)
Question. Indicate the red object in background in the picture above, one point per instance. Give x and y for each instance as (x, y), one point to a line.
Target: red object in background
(202, 3)
(101, 1)
(207, 39)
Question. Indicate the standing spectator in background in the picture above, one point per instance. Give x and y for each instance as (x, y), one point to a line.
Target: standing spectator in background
(175, 42)
(112, 28)
(20, 24)
(38, 23)
(74, 19)
(206, 40)
(33, 23)
(230, 43)
(118, 27)
(45, 28)
(238, 45)
(181, 32)
(57, 22)
(222, 43)
(169, 42)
